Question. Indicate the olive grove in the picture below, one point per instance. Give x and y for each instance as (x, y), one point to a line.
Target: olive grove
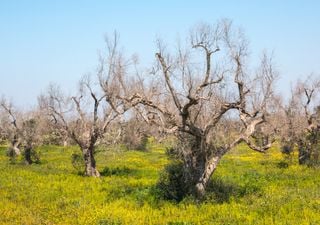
(205, 92)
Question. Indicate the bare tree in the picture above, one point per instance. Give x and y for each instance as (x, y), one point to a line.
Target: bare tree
(136, 134)
(303, 120)
(211, 105)
(3, 122)
(87, 116)
(31, 139)
(22, 132)
(11, 127)
(51, 132)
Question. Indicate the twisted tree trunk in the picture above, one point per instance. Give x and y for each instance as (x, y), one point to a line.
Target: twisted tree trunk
(199, 166)
(27, 155)
(15, 146)
(90, 162)
(204, 179)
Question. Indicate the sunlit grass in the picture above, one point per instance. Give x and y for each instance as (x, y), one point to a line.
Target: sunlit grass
(249, 188)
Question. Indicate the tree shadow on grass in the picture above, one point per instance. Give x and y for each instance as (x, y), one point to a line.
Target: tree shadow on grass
(222, 191)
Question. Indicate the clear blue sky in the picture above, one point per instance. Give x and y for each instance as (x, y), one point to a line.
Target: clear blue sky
(58, 40)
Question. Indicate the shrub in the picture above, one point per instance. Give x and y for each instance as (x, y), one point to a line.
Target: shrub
(78, 162)
(28, 155)
(118, 171)
(283, 164)
(287, 150)
(135, 141)
(31, 155)
(171, 184)
(12, 155)
(309, 149)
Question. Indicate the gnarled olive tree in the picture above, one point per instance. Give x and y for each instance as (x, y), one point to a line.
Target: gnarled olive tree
(22, 131)
(86, 117)
(302, 120)
(208, 97)
(10, 128)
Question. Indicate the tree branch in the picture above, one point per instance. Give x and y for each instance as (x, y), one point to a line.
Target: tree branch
(165, 70)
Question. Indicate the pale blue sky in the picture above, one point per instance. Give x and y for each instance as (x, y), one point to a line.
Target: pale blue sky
(58, 40)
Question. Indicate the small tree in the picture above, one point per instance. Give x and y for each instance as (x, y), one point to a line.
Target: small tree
(31, 139)
(86, 117)
(22, 132)
(51, 132)
(301, 121)
(210, 106)
(308, 123)
(11, 129)
(136, 134)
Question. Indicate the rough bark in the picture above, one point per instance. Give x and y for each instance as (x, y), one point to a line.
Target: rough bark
(15, 146)
(90, 163)
(206, 174)
(200, 161)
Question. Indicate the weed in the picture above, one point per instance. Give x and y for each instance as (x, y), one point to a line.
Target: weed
(247, 188)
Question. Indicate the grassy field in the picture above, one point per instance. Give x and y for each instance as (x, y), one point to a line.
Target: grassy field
(250, 188)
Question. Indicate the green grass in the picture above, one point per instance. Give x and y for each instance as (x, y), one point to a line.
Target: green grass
(248, 188)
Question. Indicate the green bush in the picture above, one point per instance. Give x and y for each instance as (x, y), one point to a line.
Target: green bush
(12, 155)
(309, 149)
(171, 184)
(34, 155)
(78, 162)
(283, 164)
(118, 171)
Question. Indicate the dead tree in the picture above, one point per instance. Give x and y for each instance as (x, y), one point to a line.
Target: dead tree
(22, 133)
(291, 120)
(51, 132)
(211, 106)
(12, 130)
(87, 116)
(308, 124)
(31, 139)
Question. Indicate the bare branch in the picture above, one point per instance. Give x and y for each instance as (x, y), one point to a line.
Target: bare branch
(165, 70)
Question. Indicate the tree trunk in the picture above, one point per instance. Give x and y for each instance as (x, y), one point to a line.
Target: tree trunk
(27, 155)
(14, 150)
(90, 163)
(202, 183)
(198, 166)
(65, 143)
(15, 147)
